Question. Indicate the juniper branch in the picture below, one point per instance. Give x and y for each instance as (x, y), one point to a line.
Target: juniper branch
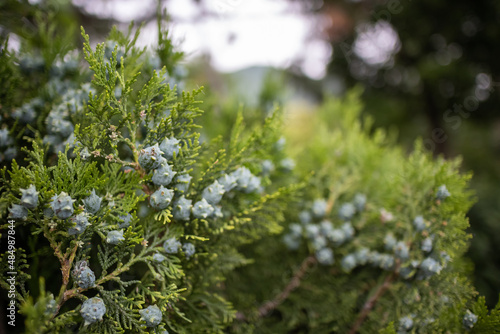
(294, 283)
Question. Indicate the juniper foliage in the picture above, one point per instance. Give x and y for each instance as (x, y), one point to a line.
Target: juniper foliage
(327, 242)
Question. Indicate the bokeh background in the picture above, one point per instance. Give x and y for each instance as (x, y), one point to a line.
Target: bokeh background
(428, 69)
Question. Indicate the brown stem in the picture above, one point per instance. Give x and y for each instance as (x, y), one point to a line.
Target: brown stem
(294, 283)
(370, 303)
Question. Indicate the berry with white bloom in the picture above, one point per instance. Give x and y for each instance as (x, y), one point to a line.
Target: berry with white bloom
(85, 278)
(305, 217)
(188, 249)
(170, 146)
(62, 205)
(267, 167)
(347, 211)
(325, 256)
(419, 223)
(405, 324)
(469, 320)
(151, 315)
(348, 230)
(312, 231)
(287, 164)
(202, 209)
(150, 157)
(161, 198)
(92, 203)
(359, 202)
(429, 267)
(296, 230)
(182, 209)
(319, 208)
(386, 261)
(426, 245)
(401, 250)
(163, 175)
(125, 221)
(85, 154)
(157, 257)
(29, 198)
(182, 182)
(442, 193)
(18, 211)
(80, 223)
(389, 242)
(326, 227)
(228, 181)
(348, 262)
(362, 256)
(291, 241)
(92, 310)
(319, 242)
(5, 139)
(172, 246)
(213, 193)
(114, 237)
(337, 237)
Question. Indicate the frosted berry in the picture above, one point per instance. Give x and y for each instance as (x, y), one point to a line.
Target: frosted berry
(228, 181)
(426, 245)
(85, 278)
(386, 261)
(188, 249)
(93, 309)
(253, 185)
(312, 231)
(10, 153)
(305, 217)
(18, 211)
(319, 208)
(292, 242)
(92, 203)
(243, 177)
(347, 211)
(51, 306)
(295, 230)
(157, 257)
(389, 242)
(150, 157)
(213, 193)
(217, 212)
(169, 146)
(287, 164)
(401, 250)
(326, 227)
(280, 144)
(337, 237)
(419, 223)
(151, 315)
(80, 223)
(469, 320)
(267, 167)
(359, 202)
(161, 198)
(85, 154)
(114, 237)
(348, 230)
(325, 256)
(319, 242)
(125, 221)
(202, 209)
(182, 209)
(29, 198)
(405, 324)
(5, 139)
(163, 175)
(442, 193)
(57, 125)
(62, 205)
(182, 182)
(348, 263)
(429, 267)
(171, 246)
(374, 258)
(362, 256)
